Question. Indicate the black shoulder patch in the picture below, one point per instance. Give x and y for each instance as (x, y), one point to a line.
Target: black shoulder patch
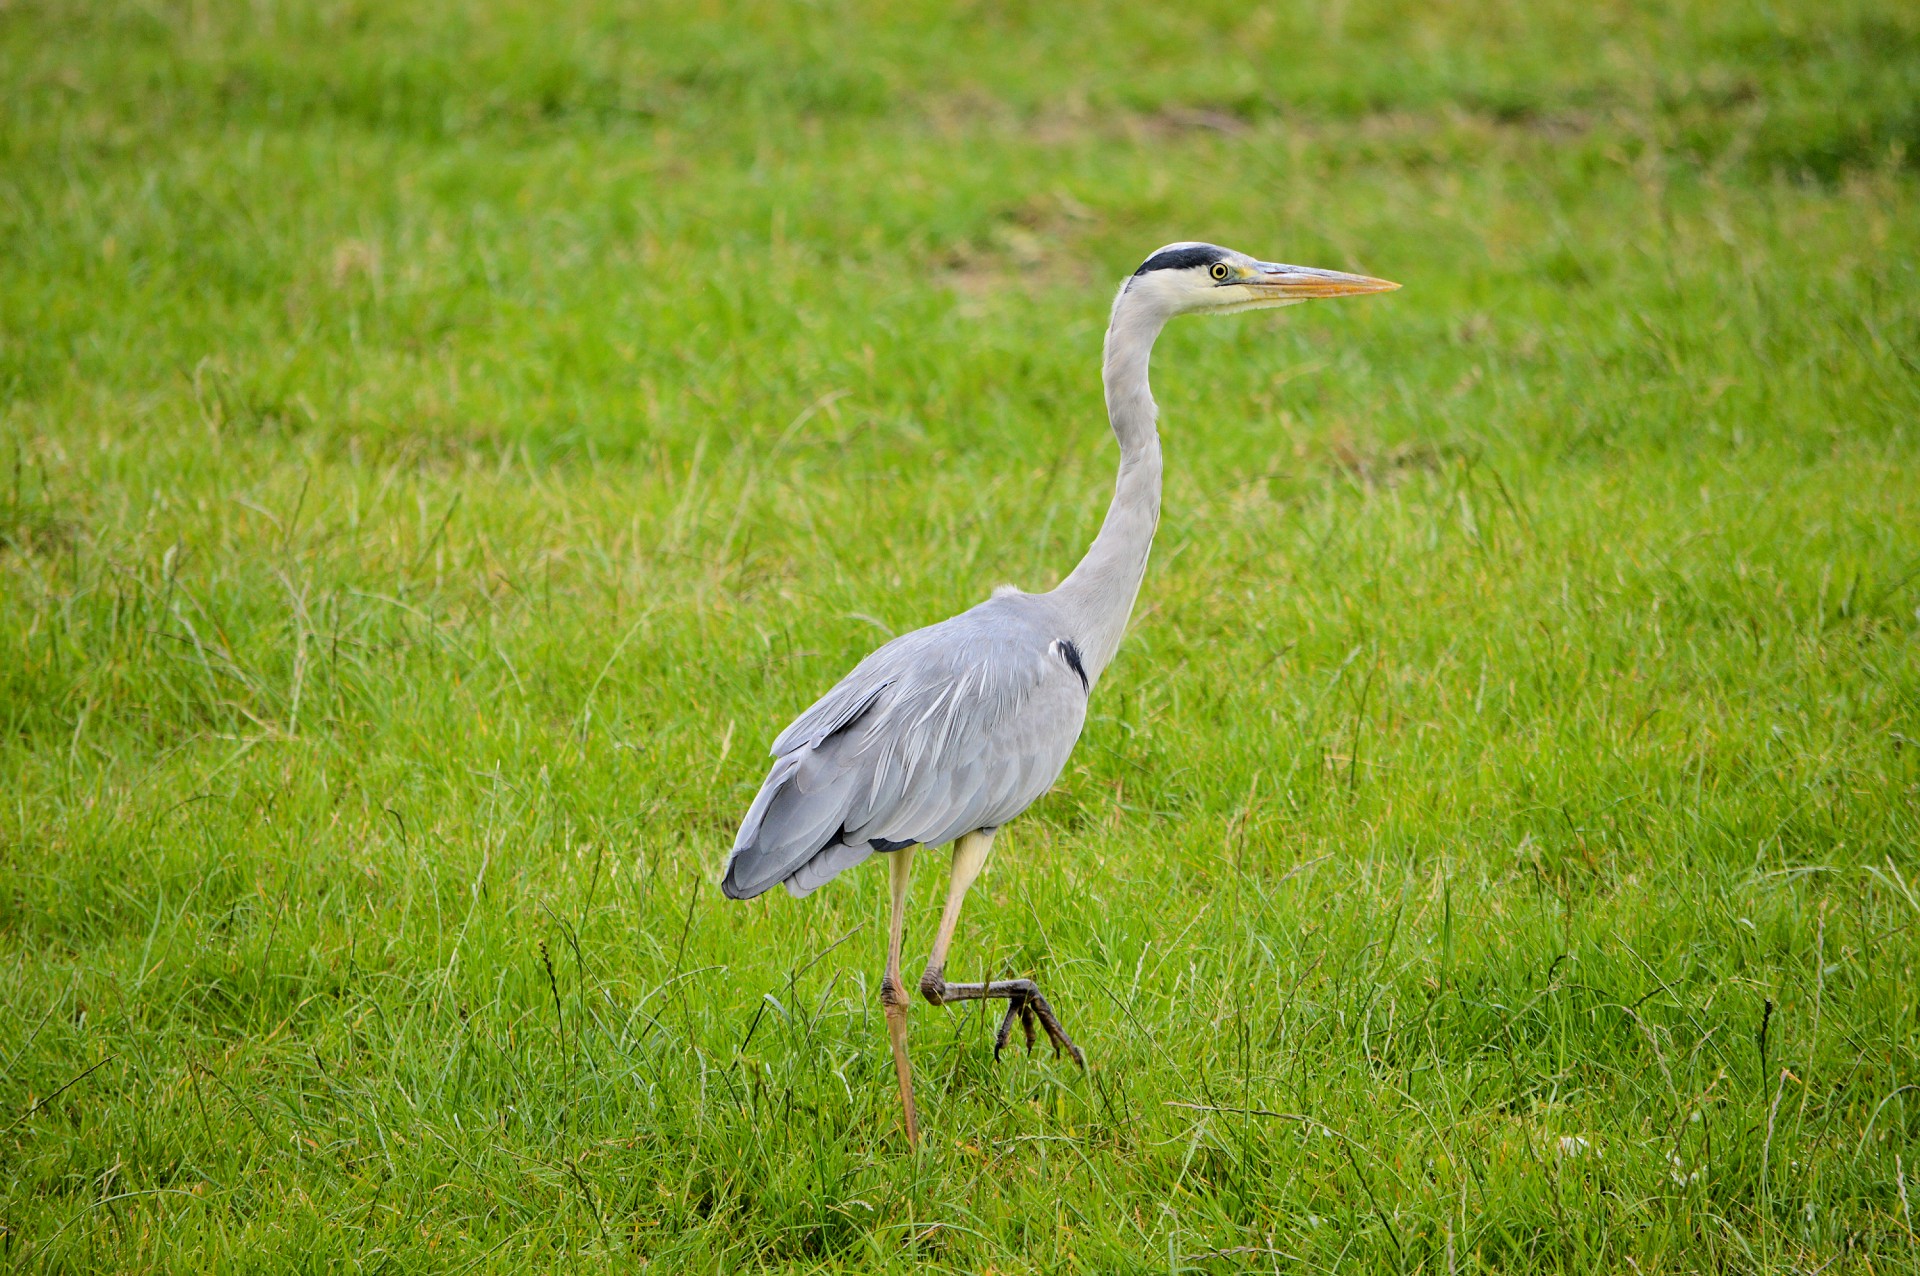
(882, 844)
(1071, 654)
(1181, 258)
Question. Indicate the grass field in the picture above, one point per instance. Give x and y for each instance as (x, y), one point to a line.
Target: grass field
(441, 444)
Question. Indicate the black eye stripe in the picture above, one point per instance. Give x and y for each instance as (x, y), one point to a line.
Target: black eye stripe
(1180, 259)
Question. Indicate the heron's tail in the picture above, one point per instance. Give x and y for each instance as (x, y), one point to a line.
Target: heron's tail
(793, 830)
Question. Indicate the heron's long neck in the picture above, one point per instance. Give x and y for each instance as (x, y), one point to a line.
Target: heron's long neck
(1099, 594)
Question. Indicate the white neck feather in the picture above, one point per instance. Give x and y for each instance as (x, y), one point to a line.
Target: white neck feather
(1098, 595)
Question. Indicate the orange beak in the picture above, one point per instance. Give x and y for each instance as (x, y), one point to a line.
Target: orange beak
(1305, 282)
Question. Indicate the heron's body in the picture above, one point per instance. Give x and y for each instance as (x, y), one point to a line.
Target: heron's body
(956, 727)
(946, 733)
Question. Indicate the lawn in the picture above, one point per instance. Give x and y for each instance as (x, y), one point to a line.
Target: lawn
(441, 444)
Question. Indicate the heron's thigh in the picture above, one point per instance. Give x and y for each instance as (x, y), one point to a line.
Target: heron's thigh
(969, 857)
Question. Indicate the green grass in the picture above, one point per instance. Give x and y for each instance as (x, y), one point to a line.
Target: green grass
(441, 444)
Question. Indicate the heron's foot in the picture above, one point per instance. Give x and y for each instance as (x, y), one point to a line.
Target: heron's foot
(1027, 1009)
(1024, 1002)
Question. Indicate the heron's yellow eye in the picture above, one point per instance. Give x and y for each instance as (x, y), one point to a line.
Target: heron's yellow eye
(1220, 271)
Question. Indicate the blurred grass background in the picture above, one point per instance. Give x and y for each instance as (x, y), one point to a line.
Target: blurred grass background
(443, 443)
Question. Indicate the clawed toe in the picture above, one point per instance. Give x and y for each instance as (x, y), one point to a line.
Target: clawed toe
(1001, 1037)
(1055, 1033)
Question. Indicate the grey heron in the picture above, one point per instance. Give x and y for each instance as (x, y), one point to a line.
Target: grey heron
(946, 733)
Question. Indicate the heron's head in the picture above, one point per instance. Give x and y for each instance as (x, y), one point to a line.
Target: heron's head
(1208, 279)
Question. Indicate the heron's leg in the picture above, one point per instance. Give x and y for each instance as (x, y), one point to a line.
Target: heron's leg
(1023, 998)
(893, 989)
(969, 857)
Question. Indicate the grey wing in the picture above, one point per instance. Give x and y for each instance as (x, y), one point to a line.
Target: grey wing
(952, 728)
